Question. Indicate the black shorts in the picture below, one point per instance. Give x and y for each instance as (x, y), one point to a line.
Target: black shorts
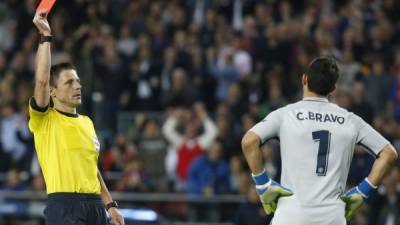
(74, 209)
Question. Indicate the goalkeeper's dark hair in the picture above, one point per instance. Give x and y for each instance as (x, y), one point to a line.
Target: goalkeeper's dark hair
(56, 69)
(322, 75)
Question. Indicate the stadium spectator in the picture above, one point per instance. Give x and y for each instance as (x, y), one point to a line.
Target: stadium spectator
(121, 151)
(209, 174)
(359, 105)
(38, 183)
(224, 74)
(250, 212)
(185, 148)
(14, 135)
(236, 164)
(395, 95)
(133, 178)
(377, 83)
(181, 92)
(14, 181)
(151, 147)
(386, 202)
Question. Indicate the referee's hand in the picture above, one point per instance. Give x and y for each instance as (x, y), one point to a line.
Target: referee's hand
(41, 23)
(116, 217)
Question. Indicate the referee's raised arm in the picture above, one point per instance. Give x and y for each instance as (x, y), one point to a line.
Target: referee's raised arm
(43, 61)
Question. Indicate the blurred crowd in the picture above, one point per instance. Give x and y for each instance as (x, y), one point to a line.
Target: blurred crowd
(198, 74)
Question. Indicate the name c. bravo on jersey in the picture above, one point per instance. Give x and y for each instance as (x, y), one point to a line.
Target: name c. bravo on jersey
(320, 117)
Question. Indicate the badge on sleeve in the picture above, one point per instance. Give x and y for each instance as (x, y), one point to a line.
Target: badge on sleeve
(96, 143)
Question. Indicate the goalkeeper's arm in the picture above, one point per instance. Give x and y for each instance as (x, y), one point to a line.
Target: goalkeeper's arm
(251, 150)
(382, 164)
(43, 62)
(354, 198)
(268, 190)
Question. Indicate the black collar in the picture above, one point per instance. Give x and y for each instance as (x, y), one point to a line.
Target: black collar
(75, 115)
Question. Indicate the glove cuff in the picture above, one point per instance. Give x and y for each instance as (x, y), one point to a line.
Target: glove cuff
(366, 188)
(261, 178)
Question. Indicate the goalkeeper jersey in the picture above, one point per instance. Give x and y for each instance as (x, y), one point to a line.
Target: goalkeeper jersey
(317, 140)
(67, 148)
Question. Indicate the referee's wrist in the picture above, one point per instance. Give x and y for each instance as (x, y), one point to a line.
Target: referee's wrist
(112, 204)
(45, 38)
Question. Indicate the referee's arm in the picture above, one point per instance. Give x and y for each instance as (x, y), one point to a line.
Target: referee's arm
(43, 63)
(116, 216)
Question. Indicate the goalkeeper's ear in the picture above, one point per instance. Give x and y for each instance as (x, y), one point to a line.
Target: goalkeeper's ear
(304, 79)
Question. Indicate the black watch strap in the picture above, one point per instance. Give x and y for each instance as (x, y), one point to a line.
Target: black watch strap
(43, 39)
(112, 204)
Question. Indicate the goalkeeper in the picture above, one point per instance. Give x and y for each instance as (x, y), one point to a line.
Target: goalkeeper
(317, 140)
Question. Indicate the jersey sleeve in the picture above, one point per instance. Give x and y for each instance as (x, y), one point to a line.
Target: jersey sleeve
(36, 115)
(95, 139)
(368, 137)
(269, 127)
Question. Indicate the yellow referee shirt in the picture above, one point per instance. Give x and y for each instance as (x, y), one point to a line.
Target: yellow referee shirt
(67, 149)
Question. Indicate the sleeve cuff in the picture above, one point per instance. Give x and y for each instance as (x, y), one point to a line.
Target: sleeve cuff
(369, 182)
(366, 188)
(261, 179)
(34, 105)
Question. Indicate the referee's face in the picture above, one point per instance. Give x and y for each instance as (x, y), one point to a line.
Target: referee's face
(68, 90)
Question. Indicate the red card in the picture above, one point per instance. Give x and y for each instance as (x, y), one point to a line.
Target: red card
(46, 6)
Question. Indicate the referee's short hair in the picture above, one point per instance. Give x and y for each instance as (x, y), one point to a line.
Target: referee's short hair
(56, 69)
(322, 75)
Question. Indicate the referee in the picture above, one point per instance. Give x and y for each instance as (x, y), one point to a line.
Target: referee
(66, 143)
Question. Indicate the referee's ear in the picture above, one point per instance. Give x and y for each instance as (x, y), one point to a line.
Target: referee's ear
(52, 94)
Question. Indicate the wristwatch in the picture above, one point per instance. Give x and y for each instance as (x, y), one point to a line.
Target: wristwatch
(44, 38)
(112, 204)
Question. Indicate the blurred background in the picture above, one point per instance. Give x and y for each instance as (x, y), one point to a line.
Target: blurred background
(172, 86)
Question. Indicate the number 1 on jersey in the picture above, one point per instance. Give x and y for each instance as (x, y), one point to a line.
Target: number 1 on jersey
(324, 139)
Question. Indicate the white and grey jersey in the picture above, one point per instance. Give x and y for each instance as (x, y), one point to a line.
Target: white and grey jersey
(317, 141)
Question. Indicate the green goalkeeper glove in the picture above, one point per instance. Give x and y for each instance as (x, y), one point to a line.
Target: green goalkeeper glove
(269, 191)
(355, 197)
